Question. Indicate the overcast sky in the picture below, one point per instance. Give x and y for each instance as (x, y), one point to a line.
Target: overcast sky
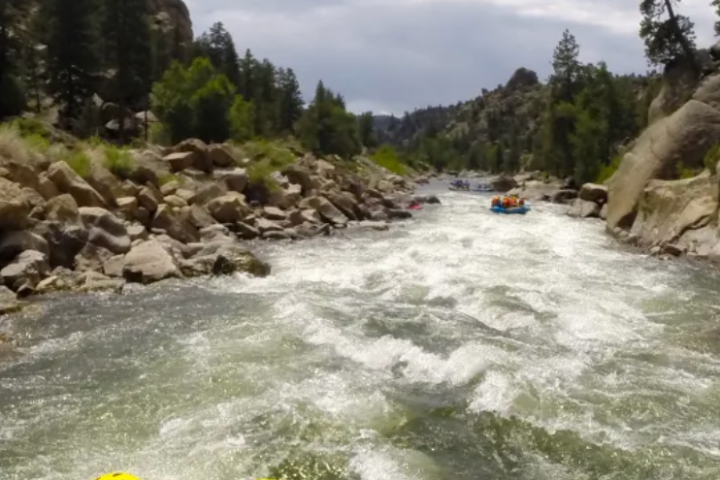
(396, 55)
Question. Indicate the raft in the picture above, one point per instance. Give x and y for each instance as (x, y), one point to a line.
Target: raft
(517, 210)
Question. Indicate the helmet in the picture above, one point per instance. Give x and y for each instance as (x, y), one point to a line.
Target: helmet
(117, 476)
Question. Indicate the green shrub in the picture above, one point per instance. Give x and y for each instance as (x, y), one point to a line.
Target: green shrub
(80, 162)
(387, 157)
(607, 171)
(261, 172)
(170, 177)
(119, 161)
(31, 126)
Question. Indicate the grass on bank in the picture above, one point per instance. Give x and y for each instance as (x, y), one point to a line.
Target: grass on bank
(30, 142)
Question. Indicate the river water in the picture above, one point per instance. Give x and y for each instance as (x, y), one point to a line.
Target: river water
(460, 345)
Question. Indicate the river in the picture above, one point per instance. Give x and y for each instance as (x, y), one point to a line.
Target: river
(459, 345)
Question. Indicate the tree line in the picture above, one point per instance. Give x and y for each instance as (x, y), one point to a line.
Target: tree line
(101, 61)
(577, 124)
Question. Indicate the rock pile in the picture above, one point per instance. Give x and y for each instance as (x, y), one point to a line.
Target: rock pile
(179, 213)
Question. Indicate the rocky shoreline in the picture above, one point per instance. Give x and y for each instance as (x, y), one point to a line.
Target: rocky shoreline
(180, 212)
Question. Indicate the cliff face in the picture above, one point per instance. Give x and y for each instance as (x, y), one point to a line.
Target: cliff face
(172, 18)
(646, 203)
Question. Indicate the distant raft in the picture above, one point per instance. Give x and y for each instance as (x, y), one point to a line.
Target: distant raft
(509, 205)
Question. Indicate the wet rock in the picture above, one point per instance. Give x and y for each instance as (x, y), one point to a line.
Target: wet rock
(12, 243)
(398, 214)
(29, 267)
(328, 212)
(65, 241)
(175, 225)
(91, 257)
(428, 199)
(229, 208)
(584, 209)
(8, 304)
(149, 262)
(592, 192)
(564, 196)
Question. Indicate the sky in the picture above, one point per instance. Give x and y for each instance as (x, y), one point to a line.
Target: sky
(392, 56)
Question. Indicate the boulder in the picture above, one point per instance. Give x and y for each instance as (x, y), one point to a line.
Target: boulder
(686, 134)
(299, 176)
(67, 181)
(669, 209)
(584, 209)
(220, 156)
(105, 229)
(229, 208)
(137, 232)
(207, 194)
(564, 196)
(347, 204)
(128, 207)
(264, 225)
(14, 206)
(150, 198)
(231, 258)
(62, 208)
(97, 282)
(592, 192)
(175, 201)
(180, 160)
(186, 194)
(503, 183)
(274, 213)
(245, 231)
(200, 158)
(175, 225)
(65, 241)
(199, 216)
(106, 184)
(8, 304)
(310, 215)
(91, 257)
(149, 262)
(235, 180)
(398, 214)
(169, 188)
(12, 243)
(326, 209)
(27, 269)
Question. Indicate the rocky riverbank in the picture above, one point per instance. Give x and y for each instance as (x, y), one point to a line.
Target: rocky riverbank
(179, 212)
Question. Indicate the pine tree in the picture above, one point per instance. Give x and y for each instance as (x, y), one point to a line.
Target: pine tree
(72, 58)
(566, 68)
(290, 101)
(366, 128)
(128, 41)
(219, 47)
(12, 98)
(666, 34)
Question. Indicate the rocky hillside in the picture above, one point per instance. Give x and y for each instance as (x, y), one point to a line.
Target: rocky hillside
(91, 216)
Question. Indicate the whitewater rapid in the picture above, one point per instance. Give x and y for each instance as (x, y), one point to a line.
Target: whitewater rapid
(458, 345)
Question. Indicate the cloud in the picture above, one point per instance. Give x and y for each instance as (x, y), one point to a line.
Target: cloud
(396, 55)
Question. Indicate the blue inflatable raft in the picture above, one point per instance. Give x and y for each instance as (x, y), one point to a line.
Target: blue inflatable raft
(517, 210)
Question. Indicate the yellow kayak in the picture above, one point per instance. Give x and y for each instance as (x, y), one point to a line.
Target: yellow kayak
(127, 476)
